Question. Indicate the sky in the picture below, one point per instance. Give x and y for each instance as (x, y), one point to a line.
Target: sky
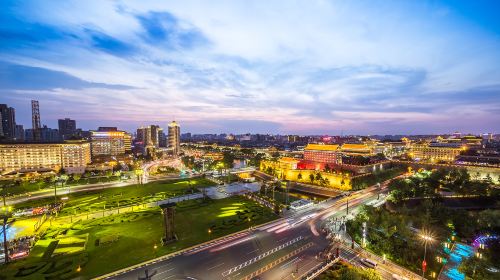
(287, 67)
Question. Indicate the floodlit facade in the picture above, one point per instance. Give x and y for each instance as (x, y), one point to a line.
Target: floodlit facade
(174, 137)
(286, 169)
(323, 153)
(72, 156)
(358, 149)
(435, 152)
(110, 143)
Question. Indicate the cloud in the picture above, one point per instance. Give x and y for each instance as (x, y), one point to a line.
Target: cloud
(109, 44)
(21, 77)
(165, 29)
(308, 66)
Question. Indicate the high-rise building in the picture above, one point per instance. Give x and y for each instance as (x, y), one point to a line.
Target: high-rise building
(67, 128)
(174, 137)
(19, 132)
(8, 122)
(45, 134)
(154, 135)
(162, 138)
(149, 136)
(35, 120)
(72, 156)
(107, 141)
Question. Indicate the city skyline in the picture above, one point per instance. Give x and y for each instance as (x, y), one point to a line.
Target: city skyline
(423, 68)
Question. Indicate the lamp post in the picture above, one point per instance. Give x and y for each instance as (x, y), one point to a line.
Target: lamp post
(5, 215)
(426, 238)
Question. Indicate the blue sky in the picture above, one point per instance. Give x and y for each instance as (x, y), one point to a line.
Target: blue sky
(305, 67)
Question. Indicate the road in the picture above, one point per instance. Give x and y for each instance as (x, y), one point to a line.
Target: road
(79, 188)
(89, 187)
(295, 241)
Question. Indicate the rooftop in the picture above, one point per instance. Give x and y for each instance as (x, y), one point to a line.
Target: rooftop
(355, 147)
(321, 147)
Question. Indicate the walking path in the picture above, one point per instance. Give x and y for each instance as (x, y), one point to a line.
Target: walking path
(459, 253)
(78, 188)
(212, 192)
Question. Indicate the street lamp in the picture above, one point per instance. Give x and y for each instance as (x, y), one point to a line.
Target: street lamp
(427, 238)
(6, 211)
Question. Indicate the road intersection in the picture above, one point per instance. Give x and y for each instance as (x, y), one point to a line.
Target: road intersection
(284, 249)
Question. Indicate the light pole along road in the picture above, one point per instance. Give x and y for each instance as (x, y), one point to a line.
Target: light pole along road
(285, 249)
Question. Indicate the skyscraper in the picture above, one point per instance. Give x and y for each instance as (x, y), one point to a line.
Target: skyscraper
(174, 137)
(149, 136)
(67, 128)
(8, 122)
(35, 120)
(162, 138)
(19, 132)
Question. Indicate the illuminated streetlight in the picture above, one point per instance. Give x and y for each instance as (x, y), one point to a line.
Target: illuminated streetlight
(426, 237)
(6, 212)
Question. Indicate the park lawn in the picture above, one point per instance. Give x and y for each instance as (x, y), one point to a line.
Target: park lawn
(28, 187)
(119, 241)
(95, 200)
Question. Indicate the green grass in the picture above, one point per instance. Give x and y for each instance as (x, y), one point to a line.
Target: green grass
(26, 187)
(83, 202)
(133, 237)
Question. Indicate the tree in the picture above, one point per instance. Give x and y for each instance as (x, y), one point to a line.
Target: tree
(77, 177)
(228, 159)
(318, 176)
(327, 168)
(108, 174)
(311, 177)
(327, 182)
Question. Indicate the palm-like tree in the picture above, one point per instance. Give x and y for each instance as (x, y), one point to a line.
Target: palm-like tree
(318, 176)
(311, 177)
(327, 182)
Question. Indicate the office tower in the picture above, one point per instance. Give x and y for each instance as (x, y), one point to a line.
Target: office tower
(35, 120)
(149, 136)
(154, 135)
(174, 137)
(8, 119)
(67, 128)
(44, 134)
(162, 138)
(19, 132)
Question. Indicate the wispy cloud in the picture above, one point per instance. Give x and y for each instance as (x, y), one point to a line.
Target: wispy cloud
(306, 67)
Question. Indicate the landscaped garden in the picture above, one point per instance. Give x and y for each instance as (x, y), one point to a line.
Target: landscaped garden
(85, 248)
(27, 185)
(343, 270)
(107, 198)
(417, 208)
